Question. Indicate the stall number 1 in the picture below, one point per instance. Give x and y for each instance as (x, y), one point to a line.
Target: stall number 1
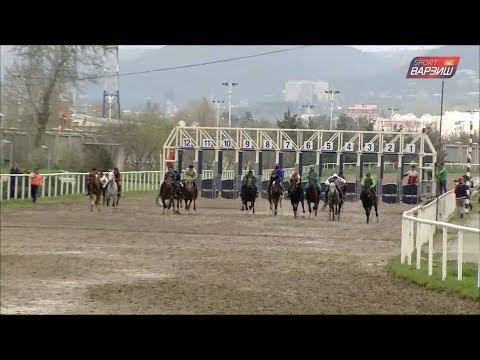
(390, 148)
(410, 148)
(187, 142)
(349, 146)
(227, 143)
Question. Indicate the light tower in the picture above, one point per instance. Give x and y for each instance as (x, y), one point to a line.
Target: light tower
(111, 93)
(230, 86)
(331, 94)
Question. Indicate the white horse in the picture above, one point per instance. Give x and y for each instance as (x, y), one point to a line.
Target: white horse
(112, 191)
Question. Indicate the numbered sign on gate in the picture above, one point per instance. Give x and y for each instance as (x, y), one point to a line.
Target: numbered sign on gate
(227, 143)
(187, 142)
(390, 148)
(287, 145)
(267, 144)
(369, 147)
(348, 146)
(410, 149)
(247, 144)
(207, 143)
(308, 145)
(328, 146)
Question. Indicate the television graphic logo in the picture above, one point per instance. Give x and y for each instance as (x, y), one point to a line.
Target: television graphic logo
(433, 67)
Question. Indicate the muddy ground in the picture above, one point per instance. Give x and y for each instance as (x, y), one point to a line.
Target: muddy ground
(63, 259)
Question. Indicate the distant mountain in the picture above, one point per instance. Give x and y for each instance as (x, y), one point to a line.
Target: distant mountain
(360, 76)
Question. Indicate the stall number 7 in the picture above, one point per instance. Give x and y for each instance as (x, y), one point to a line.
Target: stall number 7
(187, 142)
(349, 146)
(410, 148)
(390, 148)
(227, 143)
(287, 145)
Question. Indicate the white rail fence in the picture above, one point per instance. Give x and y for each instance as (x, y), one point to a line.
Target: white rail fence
(419, 226)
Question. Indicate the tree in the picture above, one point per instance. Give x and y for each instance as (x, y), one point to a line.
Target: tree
(345, 122)
(42, 74)
(290, 121)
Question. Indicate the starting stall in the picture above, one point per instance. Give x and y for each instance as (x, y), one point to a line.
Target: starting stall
(310, 148)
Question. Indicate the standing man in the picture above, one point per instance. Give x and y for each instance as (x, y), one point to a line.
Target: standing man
(462, 192)
(14, 171)
(412, 176)
(441, 176)
(118, 180)
(35, 184)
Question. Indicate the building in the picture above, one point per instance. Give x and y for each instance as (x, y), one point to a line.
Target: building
(370, 111)
(305, 91)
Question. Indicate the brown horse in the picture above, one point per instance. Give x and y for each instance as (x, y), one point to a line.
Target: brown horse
(312, 196)
(95, 191)
(369, 199)
(190, 194)
(166, 192)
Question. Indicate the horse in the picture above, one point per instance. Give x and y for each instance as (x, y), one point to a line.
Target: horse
(249, 195)
(312, 196)
(369, 199)
(95, 192)
(178, 197)
(296, 195)
(166, 193)
(189, 194)
(112, 191)
(334, 201)
(274, 196)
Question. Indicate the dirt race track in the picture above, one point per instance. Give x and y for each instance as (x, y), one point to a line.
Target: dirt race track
(62, 259)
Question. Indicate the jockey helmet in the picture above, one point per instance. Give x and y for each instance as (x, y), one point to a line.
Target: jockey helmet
(277, 167)
(335, 175)
(250, 171)
(294, 173)
(368, 174)
(190, 166)
(312, 168)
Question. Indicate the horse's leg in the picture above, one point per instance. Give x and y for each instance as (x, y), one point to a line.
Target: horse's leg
(309, 209)
(376, 212)
(367, 212)
(253, 206)
(316, 206)
(194, 205)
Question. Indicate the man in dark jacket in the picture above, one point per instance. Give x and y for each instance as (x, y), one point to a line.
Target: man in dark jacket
(14, 171)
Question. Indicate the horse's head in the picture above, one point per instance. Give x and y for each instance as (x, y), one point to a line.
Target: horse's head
(332, 187)
(111, 176)
(249, 182)
(189, 184)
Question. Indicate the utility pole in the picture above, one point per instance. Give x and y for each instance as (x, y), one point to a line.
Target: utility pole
(331, 93)
(217, 106)
(229, 86)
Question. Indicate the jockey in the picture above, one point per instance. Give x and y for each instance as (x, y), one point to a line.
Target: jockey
(313, 175)
(169, 174)
(369, 180)
(295, 177)
(178, 177)
(118, 177)
(338, 181)
(190, 173)
(277, 174)
(91, 176)
(250, 175)
(343, 186)
(103, 182)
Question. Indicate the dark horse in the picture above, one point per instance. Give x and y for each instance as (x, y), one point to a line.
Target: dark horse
(369, 199)
(178, 197)
(249, 195)
(312, 196)
(167, 193)
(274, 196)
(189, 194)
(95, 192)
(296, 195)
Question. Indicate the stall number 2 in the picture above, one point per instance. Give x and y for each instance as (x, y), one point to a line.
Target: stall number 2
(187, 142)
(390, 148)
